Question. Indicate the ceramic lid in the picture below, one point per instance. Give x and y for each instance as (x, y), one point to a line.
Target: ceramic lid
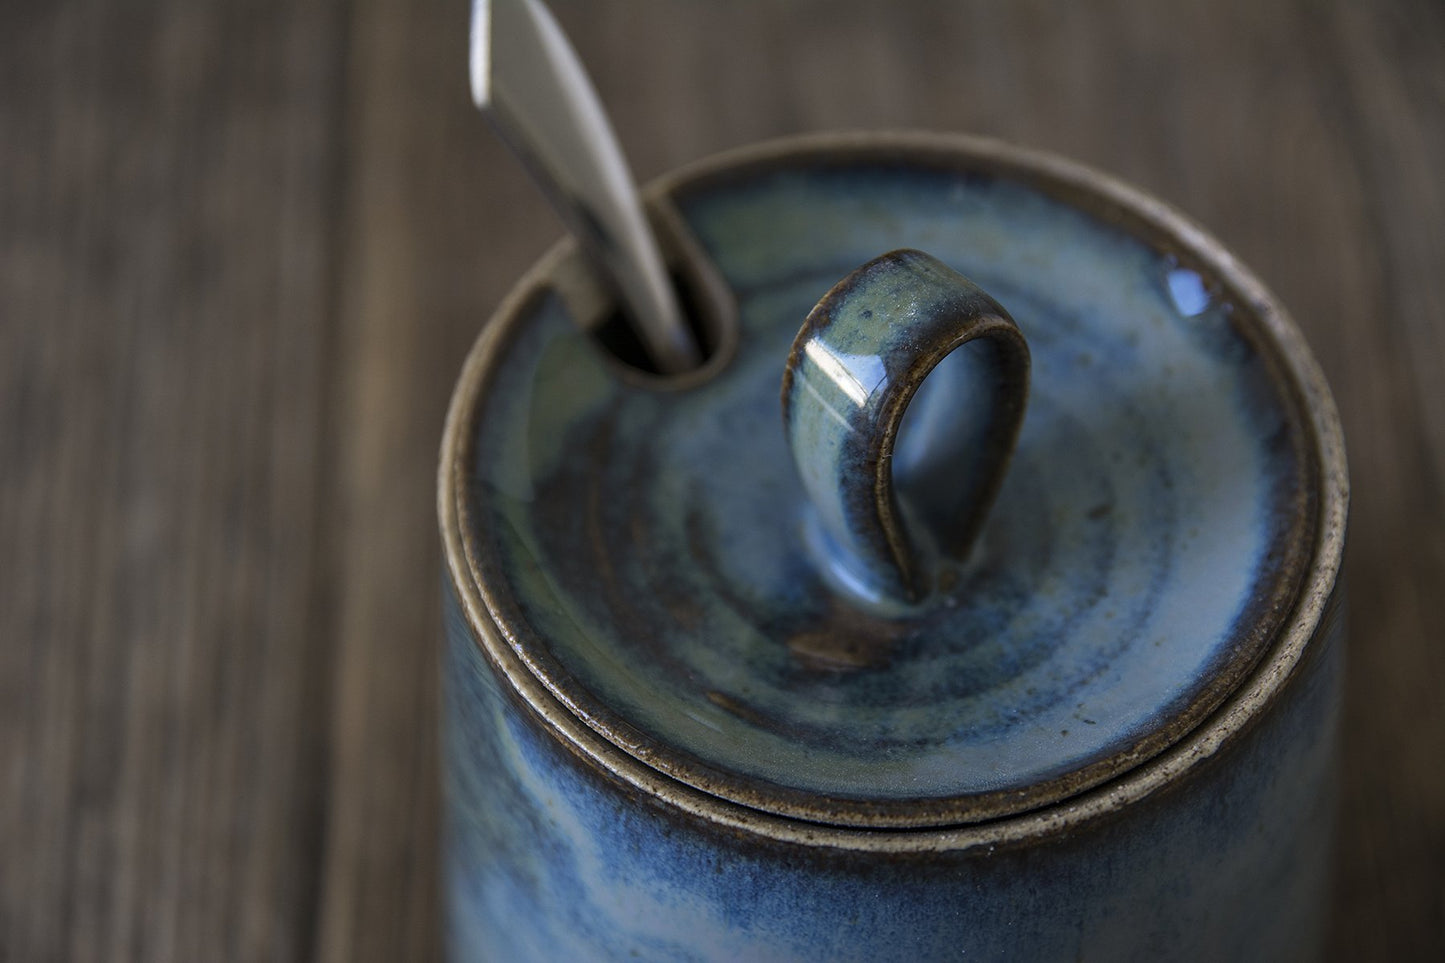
(644, 547)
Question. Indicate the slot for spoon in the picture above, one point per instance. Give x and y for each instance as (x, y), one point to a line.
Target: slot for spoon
(529, 82)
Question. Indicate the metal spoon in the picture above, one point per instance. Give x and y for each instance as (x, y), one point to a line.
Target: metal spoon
(527, 79)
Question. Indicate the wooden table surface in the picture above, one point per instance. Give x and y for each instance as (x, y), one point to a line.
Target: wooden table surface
(244, 247)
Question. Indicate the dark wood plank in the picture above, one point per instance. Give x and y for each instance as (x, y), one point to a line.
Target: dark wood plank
(166, 181)
(1381, 75)
(414, 283)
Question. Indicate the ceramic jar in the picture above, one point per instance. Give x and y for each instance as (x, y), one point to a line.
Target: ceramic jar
(1012, 633)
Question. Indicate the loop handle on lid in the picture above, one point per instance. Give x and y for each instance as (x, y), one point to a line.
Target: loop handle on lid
(895, 496)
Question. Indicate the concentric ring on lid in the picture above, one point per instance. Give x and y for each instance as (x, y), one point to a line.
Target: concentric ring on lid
(639, 549)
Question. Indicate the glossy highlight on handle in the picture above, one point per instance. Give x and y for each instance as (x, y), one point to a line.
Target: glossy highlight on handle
(893, 495)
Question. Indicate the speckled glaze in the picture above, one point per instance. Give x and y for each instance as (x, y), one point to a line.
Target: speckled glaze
(677, 730)
(899, 322)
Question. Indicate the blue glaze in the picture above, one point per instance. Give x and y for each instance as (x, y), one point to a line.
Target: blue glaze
(892, 529)
(548, 859)
(646, 552)
(1187, 289)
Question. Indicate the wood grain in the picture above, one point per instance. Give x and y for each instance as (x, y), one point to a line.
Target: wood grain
(166, 177)
(244, 247)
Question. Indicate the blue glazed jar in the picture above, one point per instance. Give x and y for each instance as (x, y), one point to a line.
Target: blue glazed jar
(1015, 637)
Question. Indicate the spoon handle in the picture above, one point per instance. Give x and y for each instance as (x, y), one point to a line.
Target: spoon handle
(528, 80)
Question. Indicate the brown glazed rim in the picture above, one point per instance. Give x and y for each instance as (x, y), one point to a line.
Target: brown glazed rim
(1227, 709)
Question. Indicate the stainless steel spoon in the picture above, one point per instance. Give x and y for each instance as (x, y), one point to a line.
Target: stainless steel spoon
(527, 79)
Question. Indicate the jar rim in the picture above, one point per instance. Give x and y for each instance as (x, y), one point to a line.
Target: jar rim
(1177, 753)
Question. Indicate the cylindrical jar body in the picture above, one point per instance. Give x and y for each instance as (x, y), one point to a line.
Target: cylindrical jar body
(670, 736)
(550, 858)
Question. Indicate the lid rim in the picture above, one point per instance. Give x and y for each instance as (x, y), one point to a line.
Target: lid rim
(1319, 536)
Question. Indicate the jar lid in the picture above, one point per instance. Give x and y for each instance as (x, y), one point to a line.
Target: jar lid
(648, 551)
